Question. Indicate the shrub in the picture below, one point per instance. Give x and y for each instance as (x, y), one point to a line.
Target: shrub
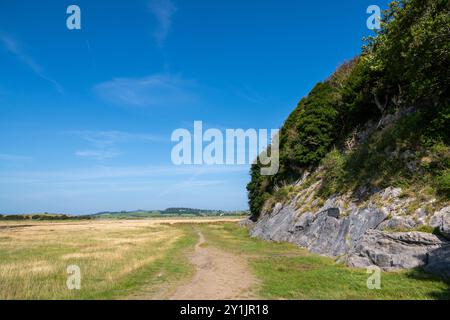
(332, 173)
(444, 184)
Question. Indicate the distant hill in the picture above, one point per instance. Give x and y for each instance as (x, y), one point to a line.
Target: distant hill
(169, 212)
(137, 214)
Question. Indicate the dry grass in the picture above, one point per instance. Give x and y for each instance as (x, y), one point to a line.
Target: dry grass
(34, 256)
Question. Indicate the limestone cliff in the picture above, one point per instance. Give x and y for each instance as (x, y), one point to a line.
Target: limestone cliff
(365, 156)
(362, 233)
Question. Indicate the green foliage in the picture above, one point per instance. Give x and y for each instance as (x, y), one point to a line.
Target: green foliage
(410, 56)
(315, 128)
(444, 183)
(256, 189)
(439, 124)
(333, 172)
(356, 105)
(282, 194)
(405, 65)
(405, 154)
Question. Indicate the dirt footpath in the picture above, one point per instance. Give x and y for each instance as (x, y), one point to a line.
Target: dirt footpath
(219, 276)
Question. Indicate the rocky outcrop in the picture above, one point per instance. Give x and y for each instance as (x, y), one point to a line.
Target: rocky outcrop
(441, 220)
(361, 234)
(325, 233)
(445, 226)
(393, 251)
(439, 262)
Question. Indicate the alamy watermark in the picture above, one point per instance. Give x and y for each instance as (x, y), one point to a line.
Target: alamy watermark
(374, 20)
(232, 147)
(74, 279)
(73, 21)
(374, 280)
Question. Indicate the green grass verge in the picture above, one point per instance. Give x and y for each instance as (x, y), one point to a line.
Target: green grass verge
(286, 271)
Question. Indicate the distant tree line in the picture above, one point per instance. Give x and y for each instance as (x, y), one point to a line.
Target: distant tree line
(43, 216)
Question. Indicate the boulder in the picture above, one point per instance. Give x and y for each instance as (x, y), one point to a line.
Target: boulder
(444, 229)
(393, 251)
(247, 223)
(421, 216)
(333, 212)
(391, 192)
(437, 218)
(397, 223)
(363, 220)
(439, 262)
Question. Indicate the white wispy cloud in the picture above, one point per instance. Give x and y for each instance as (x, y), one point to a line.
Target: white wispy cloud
(113, 137)
(105, 144)
(158, 90)
(163, 11)
(97, 154)
(13, 157)
(14, 47)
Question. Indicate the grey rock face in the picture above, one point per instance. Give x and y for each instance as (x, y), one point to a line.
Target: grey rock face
(398, 223)
(391, 193)
(439, 262)
(445, 225)
(324, 235)
(276, 226)
(333, 212)
(247, 223)
(359, 236)
(325, 232)
(392, 251)
(436, 220)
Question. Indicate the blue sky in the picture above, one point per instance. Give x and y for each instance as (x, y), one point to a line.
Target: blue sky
(86, 115)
